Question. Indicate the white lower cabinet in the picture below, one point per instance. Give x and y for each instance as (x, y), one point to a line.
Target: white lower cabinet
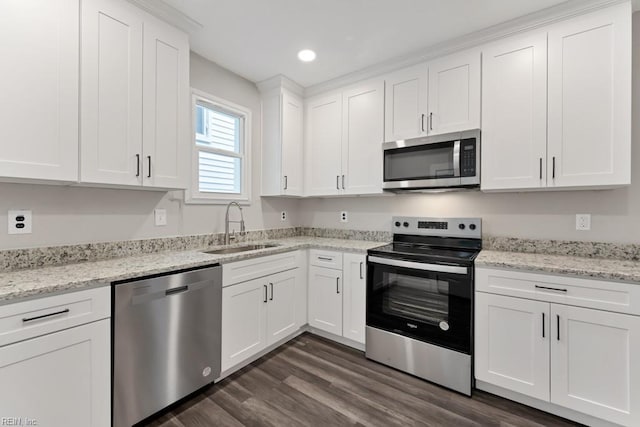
(512, 344)
(337, 296)
(573, 357)
(258, 313)
(325, 299)
(59, 379)
(354, 295)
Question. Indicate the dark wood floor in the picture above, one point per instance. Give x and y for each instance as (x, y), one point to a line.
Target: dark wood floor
(311, 381)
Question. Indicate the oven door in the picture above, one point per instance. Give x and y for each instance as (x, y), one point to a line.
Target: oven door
(429, 302)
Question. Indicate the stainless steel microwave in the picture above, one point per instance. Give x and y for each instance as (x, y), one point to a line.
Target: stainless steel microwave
(446, 161)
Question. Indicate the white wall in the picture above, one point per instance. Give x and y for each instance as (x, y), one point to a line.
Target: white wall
(69, 215)
(543, 215)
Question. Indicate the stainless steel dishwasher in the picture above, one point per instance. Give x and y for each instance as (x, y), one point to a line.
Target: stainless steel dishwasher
(166, 340)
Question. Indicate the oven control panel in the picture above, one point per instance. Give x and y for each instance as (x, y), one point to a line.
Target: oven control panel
(444, 227)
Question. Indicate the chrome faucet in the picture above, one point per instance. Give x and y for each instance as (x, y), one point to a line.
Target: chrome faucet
(227, 237)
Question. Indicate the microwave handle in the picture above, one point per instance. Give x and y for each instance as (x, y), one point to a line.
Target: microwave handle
(456, 159)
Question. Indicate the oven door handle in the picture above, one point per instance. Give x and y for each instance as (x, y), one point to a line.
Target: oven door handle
(419, 265)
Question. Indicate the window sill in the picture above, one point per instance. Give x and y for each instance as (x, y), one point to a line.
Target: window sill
(205, 201)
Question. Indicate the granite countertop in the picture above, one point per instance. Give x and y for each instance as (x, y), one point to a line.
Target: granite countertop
(584, 267)
(38, 282)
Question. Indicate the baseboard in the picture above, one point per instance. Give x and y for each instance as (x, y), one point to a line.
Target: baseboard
(336, 338)
(261, 353)
(544, 406)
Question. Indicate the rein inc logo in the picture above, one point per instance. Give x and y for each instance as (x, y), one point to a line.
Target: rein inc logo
(18, 421)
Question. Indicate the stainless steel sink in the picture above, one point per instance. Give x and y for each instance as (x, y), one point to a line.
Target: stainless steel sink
(243, 248)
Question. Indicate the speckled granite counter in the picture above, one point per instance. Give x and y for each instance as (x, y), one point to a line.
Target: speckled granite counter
(36, 282)
(585, 267)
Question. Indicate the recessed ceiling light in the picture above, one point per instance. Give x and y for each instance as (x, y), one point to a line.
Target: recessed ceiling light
(306, 55)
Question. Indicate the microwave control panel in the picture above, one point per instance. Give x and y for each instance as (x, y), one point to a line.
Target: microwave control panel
(468, 157)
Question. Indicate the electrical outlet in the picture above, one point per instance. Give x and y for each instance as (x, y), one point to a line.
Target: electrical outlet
(344, 217)
(20, 222)
(160, 216)
(283, 216)
(583, 222)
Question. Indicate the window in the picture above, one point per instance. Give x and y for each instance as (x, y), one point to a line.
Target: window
(220, 166)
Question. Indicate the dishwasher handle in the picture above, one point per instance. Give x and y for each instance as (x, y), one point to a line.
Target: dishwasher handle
(177, 290)
(148, 294)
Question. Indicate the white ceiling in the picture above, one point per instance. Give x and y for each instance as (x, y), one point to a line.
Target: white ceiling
(259, 39)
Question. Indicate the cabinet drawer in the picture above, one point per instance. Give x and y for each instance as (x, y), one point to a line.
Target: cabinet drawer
(37, 317)
(599, 294)
(328, 259)
(241, 271)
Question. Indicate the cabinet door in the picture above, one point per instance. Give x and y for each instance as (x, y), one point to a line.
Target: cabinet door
(281, 309)
(354, 297)
(60, 379)
(514, 113)
(39, 86)
(325, 299)
(243, 321)
(362, 134)
(323, 145)
(292, 140)
(590, 99)
(454, 93)
(405, 104)
(512, 344)
(594, 365)
(111, 93)
(166, 128)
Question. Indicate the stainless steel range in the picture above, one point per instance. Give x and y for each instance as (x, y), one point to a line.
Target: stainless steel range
(420, 299)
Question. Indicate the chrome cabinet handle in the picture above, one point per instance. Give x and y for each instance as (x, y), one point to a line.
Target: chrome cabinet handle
(553, 169)
(265, 293)
(558, 325)
(550, 289)
(542, 325)
(430, 121)
(422, 123)
(324, 258)
(540, 167)
(361, 276)
(271, 286)
(149, 175)
(337, 285)
(337, 182)
(137, 164)
(286, 183)
(343, 182)
(31, 319)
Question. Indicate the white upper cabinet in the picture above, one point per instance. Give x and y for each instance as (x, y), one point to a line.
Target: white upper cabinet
(323, 145)
(362, 135)
(405, 106)
(454, 93)
(430, 99)
(127, 139)
(514, 113)
(579, 136)
(344, 134)
(292, 142)
(282, 125)
(590, 99)
(166, 126)
(39, 86)
(111, 114)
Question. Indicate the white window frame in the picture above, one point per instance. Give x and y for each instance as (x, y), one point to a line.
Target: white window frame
(193, 195)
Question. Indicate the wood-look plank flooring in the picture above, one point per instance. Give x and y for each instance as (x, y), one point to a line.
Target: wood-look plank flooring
(311, 381)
